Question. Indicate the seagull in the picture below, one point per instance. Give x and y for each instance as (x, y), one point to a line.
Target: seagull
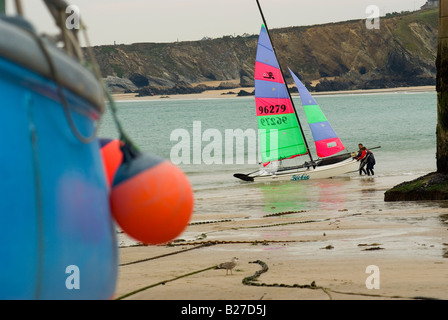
(228, 265)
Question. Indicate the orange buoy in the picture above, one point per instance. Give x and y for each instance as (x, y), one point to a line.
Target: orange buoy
(112, 157)
(151, 199)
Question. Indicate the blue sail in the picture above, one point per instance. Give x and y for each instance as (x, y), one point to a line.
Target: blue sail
(326, 140)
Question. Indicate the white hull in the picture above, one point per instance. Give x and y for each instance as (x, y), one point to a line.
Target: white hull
(303, 174)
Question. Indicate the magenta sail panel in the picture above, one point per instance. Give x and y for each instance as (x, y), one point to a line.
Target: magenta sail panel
(269, 106)
(267, 73)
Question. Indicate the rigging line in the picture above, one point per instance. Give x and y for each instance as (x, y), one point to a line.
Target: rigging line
(64, 102)
(286, 85)
(38, 197)
(72, 44)
(113, 107)
(19, 7)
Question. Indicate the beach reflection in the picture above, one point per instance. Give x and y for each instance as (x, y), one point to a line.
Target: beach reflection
(324, 195)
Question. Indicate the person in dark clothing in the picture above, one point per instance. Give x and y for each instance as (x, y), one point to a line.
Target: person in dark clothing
(358, 157)
(367, 158)
(370, 162)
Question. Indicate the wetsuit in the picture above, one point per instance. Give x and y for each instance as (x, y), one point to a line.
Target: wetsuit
(360, 156)
(367, 158)
(370, 162)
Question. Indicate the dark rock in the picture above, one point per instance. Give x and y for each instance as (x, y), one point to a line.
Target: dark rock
(293, 89)
(246, 78)
(119, 85)
(246, 81)
(226, 85)
(177, 89)
(139, 80)
(333, 85)
(433, 186)
(244, 93)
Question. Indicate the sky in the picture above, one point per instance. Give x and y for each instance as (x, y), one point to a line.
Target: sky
(132, 21)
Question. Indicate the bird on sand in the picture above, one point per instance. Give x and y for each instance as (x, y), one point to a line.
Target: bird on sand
(228, 265)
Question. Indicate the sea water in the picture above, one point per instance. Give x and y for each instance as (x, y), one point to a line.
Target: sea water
(403, 124)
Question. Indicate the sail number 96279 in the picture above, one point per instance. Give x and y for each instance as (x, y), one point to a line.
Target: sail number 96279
(272, 109)
(273, 121)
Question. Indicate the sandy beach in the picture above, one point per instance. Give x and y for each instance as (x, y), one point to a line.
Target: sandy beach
(215, 94)
(317, 255)
(321, 254)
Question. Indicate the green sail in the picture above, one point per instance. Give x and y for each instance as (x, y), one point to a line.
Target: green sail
(279, 135)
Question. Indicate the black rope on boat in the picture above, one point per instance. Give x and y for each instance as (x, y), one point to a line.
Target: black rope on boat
(57, 10)
(64, 102)
(113, 107)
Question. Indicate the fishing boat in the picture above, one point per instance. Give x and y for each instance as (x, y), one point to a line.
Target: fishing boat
(280, 130)
(57, 238)
(62, 189)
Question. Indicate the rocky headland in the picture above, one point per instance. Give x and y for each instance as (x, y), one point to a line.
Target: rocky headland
(330, 57)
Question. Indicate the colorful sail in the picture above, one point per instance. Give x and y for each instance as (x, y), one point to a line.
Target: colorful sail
(326, 140)
(280, 135)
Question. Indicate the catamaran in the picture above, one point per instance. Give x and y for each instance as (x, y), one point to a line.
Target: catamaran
(280, 131)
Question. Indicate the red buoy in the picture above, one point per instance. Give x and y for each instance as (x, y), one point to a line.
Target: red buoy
(112, 157)
(151, 199)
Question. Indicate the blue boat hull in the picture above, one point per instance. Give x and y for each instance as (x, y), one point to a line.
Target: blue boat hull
(57, 236)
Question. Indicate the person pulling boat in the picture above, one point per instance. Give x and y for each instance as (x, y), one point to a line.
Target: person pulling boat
(367, 158)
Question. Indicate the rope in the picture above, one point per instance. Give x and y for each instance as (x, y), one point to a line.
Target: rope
(71, 43)
(113, 107)
(164, 282)
(166, 255)
(251, 281)
(297, 222)
(55, 78)
(282, 213)
(209, 222)
(39, 204)
(252, 242)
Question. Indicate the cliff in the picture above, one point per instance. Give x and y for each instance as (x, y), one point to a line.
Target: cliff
(344, 55)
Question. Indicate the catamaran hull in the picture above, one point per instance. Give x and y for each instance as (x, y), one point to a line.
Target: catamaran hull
(320, 172)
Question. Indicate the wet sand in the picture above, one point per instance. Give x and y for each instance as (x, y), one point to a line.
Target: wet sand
(319, 253)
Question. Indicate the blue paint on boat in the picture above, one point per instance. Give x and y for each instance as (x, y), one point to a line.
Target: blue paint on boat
(54, 198)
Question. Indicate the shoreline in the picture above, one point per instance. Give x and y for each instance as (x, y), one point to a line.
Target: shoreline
(217, 94)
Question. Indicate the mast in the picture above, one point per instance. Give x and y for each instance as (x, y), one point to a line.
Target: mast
(283, 76)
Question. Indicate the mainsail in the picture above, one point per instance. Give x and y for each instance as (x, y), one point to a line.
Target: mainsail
(280, 135)
(326, 140)
(281, 132)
